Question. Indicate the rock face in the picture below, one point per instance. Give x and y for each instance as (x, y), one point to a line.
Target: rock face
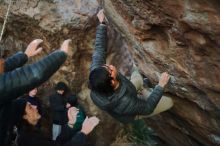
(180, 37)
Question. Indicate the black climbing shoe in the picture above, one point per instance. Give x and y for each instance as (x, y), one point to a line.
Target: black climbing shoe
(146, 82)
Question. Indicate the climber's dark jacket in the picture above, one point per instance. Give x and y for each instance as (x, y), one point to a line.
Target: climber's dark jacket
(123, 104)
(17, 80)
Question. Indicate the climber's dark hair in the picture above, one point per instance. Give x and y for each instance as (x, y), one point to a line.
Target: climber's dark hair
(100, 81)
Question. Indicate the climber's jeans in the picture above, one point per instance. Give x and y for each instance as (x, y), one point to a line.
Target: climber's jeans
(165, 102)
(56, 130)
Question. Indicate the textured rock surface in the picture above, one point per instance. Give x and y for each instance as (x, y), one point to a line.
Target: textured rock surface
(181, 37)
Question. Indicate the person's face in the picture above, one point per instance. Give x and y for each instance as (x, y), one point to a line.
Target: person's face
(33, 92)
(112, 70)
(60, 92)
(31, 114)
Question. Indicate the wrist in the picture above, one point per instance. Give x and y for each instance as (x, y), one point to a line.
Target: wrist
(82, 131)
(70, 124)
(25, 54)
(160, 86)
(103, 23)
(28, 56)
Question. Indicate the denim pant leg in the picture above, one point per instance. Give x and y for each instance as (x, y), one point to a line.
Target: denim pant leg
(56, 131)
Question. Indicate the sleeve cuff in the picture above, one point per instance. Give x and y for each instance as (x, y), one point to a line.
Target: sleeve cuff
(103, 22)
(62, 52)
(81, 133)
(158, 87)
(22, 53)
(102, 25)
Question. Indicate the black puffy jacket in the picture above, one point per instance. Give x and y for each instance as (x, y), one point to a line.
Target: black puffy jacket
(18, 80)
(123, 104)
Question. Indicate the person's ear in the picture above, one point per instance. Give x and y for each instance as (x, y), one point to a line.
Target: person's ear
(25, 117)
(111, 75)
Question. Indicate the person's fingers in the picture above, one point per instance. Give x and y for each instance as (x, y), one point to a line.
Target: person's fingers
(38, 41)
(86, 119)
(68, 40)
(164, 75)
(70, 111)
(72, 114)
(164, 79)
(100, 11)
(167, 76)
(65, 45)
(34, 44)
(69, 114)
(38, 50)
(101, 15)
(74, 110)
(94, 121)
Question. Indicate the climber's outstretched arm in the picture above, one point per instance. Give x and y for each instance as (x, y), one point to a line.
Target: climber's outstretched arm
(99, 55)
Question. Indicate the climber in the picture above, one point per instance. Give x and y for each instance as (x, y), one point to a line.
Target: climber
(17, 79)
(114, 93)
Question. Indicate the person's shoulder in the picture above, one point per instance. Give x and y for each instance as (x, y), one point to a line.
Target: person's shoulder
(71, 95)
(52, 96)
(121, 78)
(24, 96)
(37, 99)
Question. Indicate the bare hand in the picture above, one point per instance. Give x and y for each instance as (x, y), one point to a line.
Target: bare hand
(65, 46)
(89, 124)
(32, 48)
(164, 79)
(72, 115)
(101, 15)
(68, 105)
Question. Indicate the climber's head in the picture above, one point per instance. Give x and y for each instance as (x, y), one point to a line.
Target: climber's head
(103, 79)
(112, 71)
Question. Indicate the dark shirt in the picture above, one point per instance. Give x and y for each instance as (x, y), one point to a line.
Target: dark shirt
(58, 108)
(67, 137)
